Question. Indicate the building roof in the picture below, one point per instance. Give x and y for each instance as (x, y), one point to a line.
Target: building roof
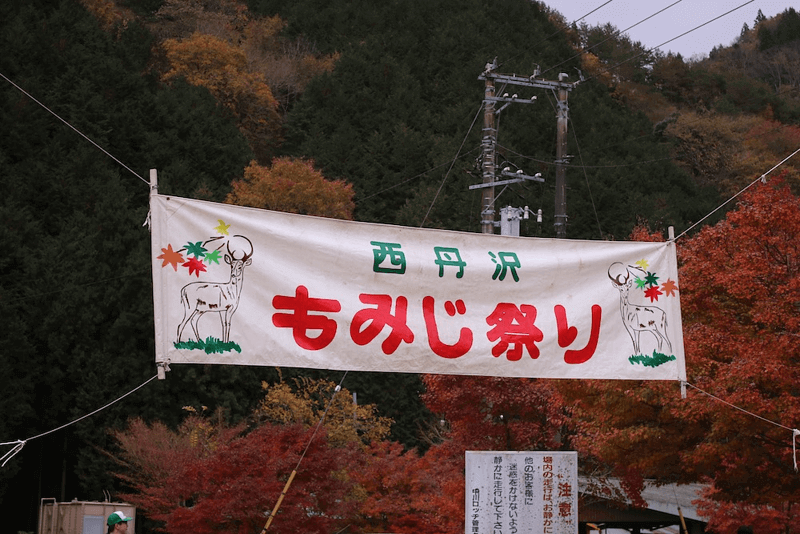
(604, 503)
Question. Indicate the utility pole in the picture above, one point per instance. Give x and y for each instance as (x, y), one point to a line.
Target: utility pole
(489, 141)
(562, 117)
(488, 146)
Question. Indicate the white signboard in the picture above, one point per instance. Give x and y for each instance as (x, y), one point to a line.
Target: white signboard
(521, 492)
(235, 285)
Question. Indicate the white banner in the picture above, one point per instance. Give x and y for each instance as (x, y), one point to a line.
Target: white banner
(521, 492)
(235, 285)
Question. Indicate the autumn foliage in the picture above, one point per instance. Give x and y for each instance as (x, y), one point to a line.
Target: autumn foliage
(409, 493)
(740, 288)
(477, 413)
(221, 68)
(293, 185)
(206, 476)
(728, 152)
(494, 413)
(211, 478)
(345, 422)
(243, 60)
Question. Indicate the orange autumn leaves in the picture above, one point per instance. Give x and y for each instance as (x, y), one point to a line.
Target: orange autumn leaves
(255, 73)
(294, 186)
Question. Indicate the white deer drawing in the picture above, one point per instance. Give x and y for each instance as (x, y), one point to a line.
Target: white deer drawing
(199, 298)
(637, 318)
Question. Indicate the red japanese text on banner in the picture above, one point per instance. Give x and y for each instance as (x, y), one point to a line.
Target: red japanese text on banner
(244, 286)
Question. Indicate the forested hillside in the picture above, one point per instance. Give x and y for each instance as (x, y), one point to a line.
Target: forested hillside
(404, 96)
(380, 103)
(75, 276)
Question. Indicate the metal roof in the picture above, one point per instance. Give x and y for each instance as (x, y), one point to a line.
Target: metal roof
(665, 504)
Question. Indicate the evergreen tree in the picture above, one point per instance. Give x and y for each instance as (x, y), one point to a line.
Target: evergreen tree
(391, 117)
(75, 277)
(759, 18)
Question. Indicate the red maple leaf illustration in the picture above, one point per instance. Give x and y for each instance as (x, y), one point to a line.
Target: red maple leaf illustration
(170, 257)
(195, 266)
(652, 293)
(669, 288)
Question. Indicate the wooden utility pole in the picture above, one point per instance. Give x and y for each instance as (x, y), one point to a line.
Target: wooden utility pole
(562, 117)
(489, 141)
(488, 146)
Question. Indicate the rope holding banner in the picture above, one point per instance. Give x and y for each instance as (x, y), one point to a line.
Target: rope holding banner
(795, 432)
(18, 445)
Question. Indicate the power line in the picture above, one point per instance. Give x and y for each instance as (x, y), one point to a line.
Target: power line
(423, 173)
(586, 178)
(533, 46)
(480, 108)
(762, 178)
(103, 150)
(608, 69)
(571, 166)
(592, 11)
(615, 34)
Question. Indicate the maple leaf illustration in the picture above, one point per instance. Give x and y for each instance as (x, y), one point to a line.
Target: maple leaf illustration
(652, 293)
(196, 249)
(669, 288)
(212, 256)
(651, 279)
(195, 266)
(643, 263)
(170, 257)
(640, 283)
(222, 228)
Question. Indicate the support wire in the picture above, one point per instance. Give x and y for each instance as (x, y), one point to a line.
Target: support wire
(762, 178)
(103, 150)
(19, 444)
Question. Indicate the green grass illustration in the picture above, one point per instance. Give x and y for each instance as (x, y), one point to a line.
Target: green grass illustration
(651, 361)
(211, 345)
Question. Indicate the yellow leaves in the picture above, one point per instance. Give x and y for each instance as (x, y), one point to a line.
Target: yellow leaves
(263, 35)
(222, 68)
(200, 57)
(345, 421)
(242, 60)
(282, 406)
(293, 185)
(204, 434)
(594, 68)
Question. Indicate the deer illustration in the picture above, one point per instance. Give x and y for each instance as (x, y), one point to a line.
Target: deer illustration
(199, 298)
(637, 318)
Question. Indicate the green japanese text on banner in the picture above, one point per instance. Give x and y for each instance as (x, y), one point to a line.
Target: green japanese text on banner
(236, 285)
